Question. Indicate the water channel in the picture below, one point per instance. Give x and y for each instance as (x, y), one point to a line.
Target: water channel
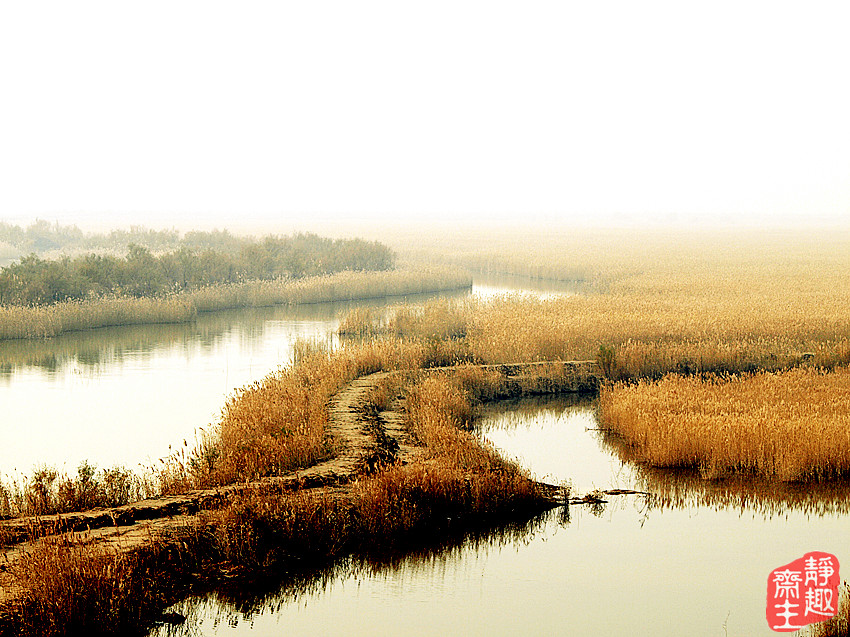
(131, 395)
(691, 558)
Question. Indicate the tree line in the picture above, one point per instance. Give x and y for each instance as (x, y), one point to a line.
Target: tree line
(202, 259)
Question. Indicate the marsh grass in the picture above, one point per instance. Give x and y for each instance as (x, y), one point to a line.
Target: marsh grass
(49, 491)
(791, 425)
(71, 586)
(17, 322)
(45, 321)
(358, 323)
(732, 301)
(279, 423)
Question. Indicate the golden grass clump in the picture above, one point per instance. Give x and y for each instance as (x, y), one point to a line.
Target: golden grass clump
(70, 586)
(791, 425)
(342, 286)
(46, 321)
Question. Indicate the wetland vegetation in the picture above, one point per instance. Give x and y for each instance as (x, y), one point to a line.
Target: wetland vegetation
(42, 297)
(724, 354)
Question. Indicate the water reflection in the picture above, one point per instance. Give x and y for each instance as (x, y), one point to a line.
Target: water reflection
(244, 606)
(493, 285)
(557, 439)
(692, 558)
(128, 395)
(97, 349)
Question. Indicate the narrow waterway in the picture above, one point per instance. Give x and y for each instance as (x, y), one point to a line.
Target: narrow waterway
(129, 396)
(690, 559)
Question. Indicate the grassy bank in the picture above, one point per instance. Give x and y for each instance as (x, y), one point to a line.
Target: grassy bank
(19, 322)
(70, 586)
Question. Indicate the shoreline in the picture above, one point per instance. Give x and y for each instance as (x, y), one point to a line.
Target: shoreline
(24, 323)
(142, 533)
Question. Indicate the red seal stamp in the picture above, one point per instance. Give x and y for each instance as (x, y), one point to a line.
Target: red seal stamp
(803, 592)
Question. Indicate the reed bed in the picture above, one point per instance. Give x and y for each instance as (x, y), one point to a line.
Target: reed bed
(457, 478)
(664, 301)
(343, 286)
(278, 424)
(19, 322)
(71, 586)
(791, 426)
(47, 321)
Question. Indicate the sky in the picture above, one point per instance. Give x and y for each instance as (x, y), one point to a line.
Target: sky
(217, 114)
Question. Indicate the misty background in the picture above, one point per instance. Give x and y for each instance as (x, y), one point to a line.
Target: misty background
(351, 117)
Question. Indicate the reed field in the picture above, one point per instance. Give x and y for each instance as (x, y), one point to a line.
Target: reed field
(22, 322)
(48, 491)
(69, 583)
(654, 302)
(790, 425)
(725, 356)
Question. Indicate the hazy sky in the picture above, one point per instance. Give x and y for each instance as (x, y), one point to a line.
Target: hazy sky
(228, 113)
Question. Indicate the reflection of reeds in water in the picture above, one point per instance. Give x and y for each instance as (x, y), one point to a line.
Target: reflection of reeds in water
(91, 349)
(686, 489)
(510, 412)
(241, 599)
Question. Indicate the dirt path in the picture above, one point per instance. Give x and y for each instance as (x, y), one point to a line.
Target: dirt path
(362, 440)
(132, 525)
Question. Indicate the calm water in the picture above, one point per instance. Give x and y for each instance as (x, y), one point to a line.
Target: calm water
(130, 396)
(692, 565)
(691, 559)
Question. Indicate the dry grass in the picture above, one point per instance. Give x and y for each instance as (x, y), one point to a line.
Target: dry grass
(279, 423)
(732, 301)
(76, 588)
(72, 587)
(344, 286)
(359, 322)
(48, 491)
(46, 321)
(791, 425)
